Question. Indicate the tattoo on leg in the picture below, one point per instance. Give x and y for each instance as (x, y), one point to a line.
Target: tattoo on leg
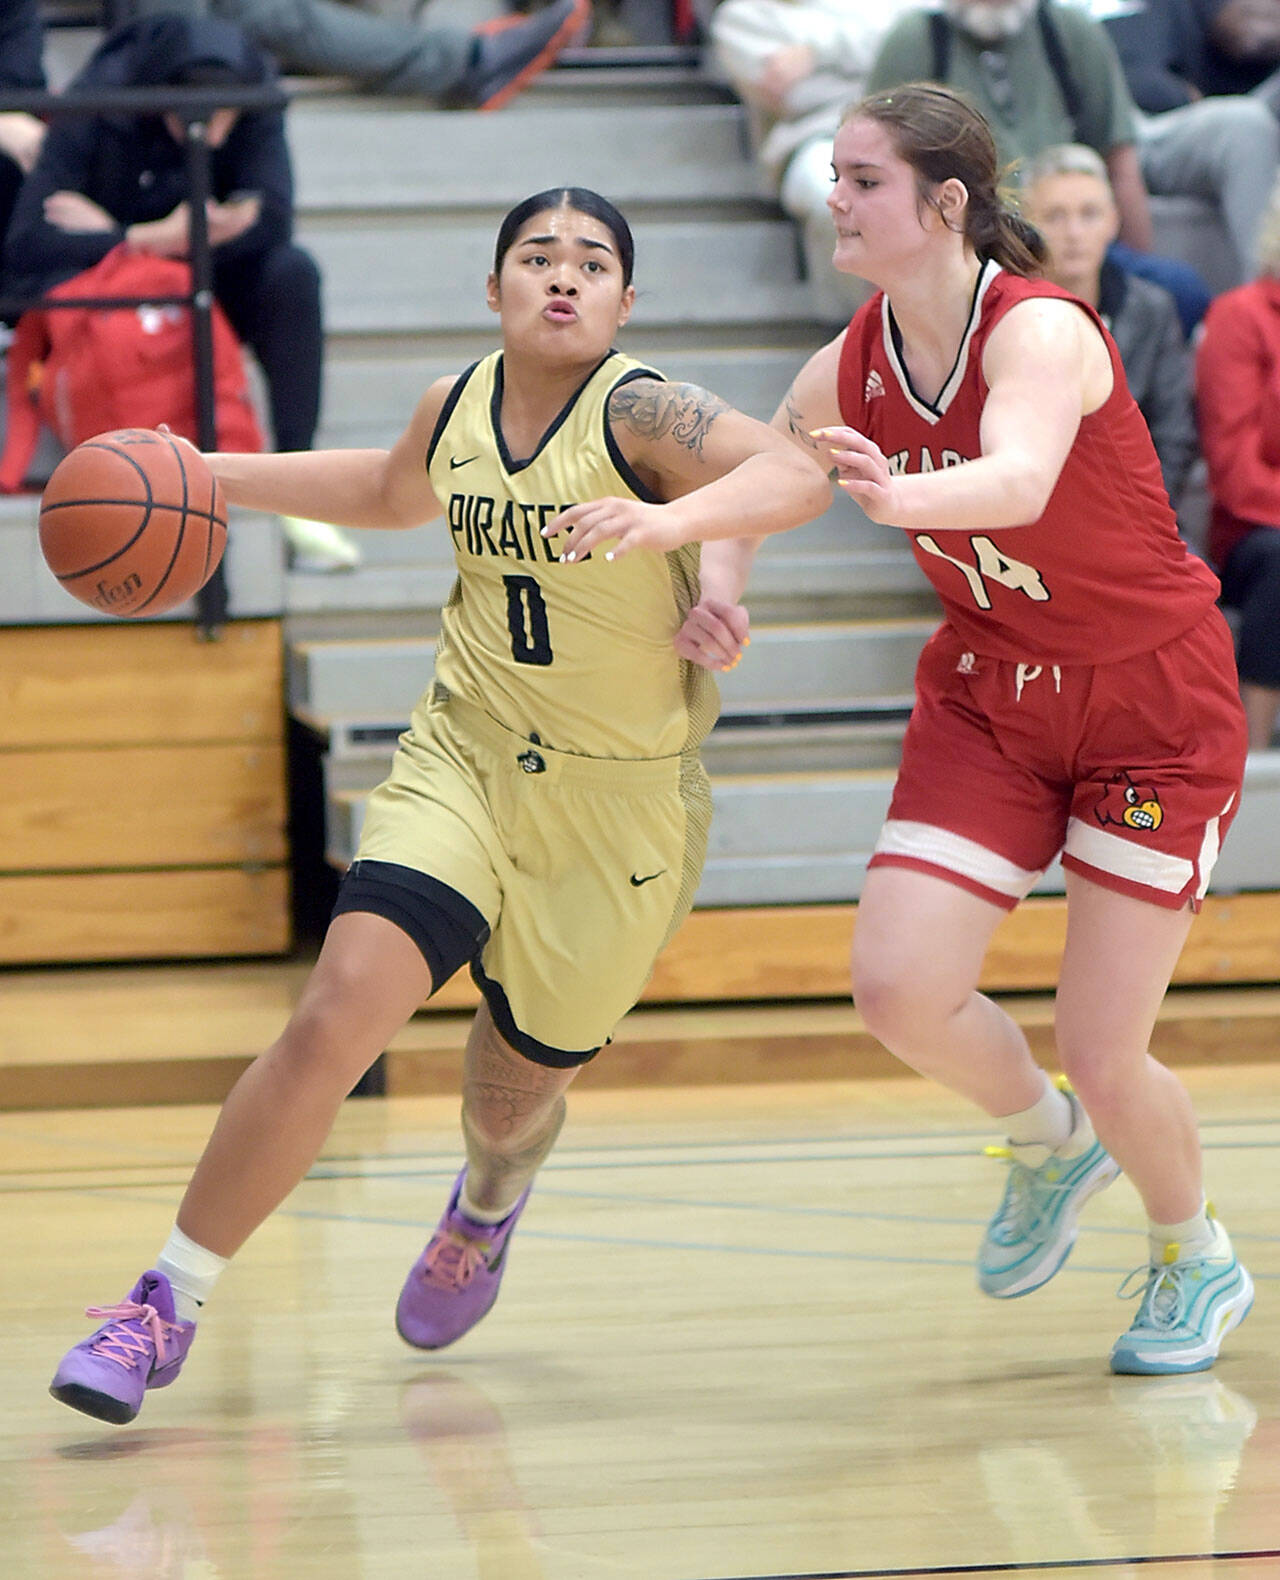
(512, 1111)
(651, 410)
(498, 1171)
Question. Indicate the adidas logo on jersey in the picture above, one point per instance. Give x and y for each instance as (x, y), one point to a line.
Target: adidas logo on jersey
(874, 385)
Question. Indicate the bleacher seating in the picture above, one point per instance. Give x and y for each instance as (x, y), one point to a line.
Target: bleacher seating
(400, 205)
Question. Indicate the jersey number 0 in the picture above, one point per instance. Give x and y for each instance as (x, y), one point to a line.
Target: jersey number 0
(527, 621)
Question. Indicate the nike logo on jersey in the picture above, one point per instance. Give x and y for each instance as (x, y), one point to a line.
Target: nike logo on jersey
(874, 385)
(637, 881)
(455, 463)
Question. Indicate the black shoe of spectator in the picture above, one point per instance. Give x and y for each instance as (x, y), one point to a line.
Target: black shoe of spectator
(510, 52)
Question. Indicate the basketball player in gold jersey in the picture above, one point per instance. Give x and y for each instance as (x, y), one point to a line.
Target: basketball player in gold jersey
(546, 815)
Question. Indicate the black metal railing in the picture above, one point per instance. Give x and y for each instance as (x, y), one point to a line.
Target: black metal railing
(193, 107)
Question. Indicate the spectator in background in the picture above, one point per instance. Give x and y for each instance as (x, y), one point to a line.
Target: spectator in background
(104, 179)
(1242, 48)
(797, 64)
(1067, 196)
(1237, 378)
(463, 67)
(1041, 74)
(21, 66)
(1224, 148)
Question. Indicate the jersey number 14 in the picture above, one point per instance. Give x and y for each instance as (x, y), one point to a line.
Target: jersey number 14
(992, 565)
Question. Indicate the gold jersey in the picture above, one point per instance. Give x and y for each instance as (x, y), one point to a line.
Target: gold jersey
(579, 655)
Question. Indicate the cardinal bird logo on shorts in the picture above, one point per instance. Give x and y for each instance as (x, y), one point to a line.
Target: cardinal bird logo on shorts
(1130, 804)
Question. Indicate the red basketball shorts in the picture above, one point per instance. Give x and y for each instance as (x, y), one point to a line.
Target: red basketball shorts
(1131, 771)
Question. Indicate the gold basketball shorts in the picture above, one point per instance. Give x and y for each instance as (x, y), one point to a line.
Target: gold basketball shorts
(574, 870)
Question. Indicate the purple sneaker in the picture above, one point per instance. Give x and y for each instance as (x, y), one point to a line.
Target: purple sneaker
(455, 1280)
(141, 1345)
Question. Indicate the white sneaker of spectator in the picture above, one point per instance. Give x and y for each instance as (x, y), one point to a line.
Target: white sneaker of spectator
(318, 546)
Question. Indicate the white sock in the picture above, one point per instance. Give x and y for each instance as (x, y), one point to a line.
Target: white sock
(191, 1270)
(1201, 1235)
(485, 1215)
(1049, 1121)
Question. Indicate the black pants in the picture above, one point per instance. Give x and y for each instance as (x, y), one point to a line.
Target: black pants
(1251, 584)
(10, 181)
(273, 302)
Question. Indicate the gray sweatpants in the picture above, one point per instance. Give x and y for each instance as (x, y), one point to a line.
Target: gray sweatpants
(1224, 149)
(326, 38)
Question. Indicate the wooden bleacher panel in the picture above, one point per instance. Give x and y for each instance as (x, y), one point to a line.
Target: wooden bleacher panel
(770, 953)
(127, 684)
(183, 1033)
(144, 915)
(144, 802)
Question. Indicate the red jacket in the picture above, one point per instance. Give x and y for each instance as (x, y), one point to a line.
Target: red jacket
(1238, 409)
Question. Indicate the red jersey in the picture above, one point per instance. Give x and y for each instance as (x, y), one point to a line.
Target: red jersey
(1102, 574)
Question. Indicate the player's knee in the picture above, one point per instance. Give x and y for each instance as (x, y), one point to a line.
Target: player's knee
(1101, 1083)
(903, 1006)
(888, 1000)
(323, 1039)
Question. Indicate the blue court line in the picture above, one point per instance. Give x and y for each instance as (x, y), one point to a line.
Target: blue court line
(848, 1215)
(568, 1155)
(626, 1242)
(447, 1167)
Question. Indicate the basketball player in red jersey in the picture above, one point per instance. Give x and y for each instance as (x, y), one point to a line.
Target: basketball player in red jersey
(1078, 699)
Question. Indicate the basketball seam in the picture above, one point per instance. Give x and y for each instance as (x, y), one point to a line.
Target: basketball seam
(147, 503)
(182, 529)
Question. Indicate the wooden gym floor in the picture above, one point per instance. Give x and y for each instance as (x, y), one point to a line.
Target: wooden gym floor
(739, 1338)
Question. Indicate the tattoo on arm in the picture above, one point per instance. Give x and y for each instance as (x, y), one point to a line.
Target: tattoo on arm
(799, 431)
(796, 425)
(652, 410)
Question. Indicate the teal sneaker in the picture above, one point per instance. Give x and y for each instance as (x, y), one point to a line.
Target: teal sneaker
(1036, 1223)
(1188, 1306)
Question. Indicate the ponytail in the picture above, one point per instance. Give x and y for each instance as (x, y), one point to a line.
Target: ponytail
(999, 232)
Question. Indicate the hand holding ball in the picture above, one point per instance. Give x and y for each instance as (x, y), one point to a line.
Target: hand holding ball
(133, 523)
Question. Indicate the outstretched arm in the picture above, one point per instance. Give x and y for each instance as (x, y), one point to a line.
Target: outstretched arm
(350, 488)
(721, 473)
(1045, 366)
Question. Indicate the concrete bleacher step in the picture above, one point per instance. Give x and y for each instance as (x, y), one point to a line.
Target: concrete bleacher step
(721, 271)
(819, 586)
(789, 669)
(359, 756)
(361, 154)
(830, 569)
(793, 838)
(786, 838)
(373, 384)
(840, 530)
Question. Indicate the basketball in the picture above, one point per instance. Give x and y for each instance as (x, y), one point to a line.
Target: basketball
(133, 523)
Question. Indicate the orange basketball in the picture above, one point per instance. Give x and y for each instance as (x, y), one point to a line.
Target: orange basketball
(133, 522)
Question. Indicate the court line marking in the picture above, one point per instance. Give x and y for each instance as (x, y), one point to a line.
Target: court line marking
(641, 1243)
(571, 1153)
(369, 1165)
(1031, 1566)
